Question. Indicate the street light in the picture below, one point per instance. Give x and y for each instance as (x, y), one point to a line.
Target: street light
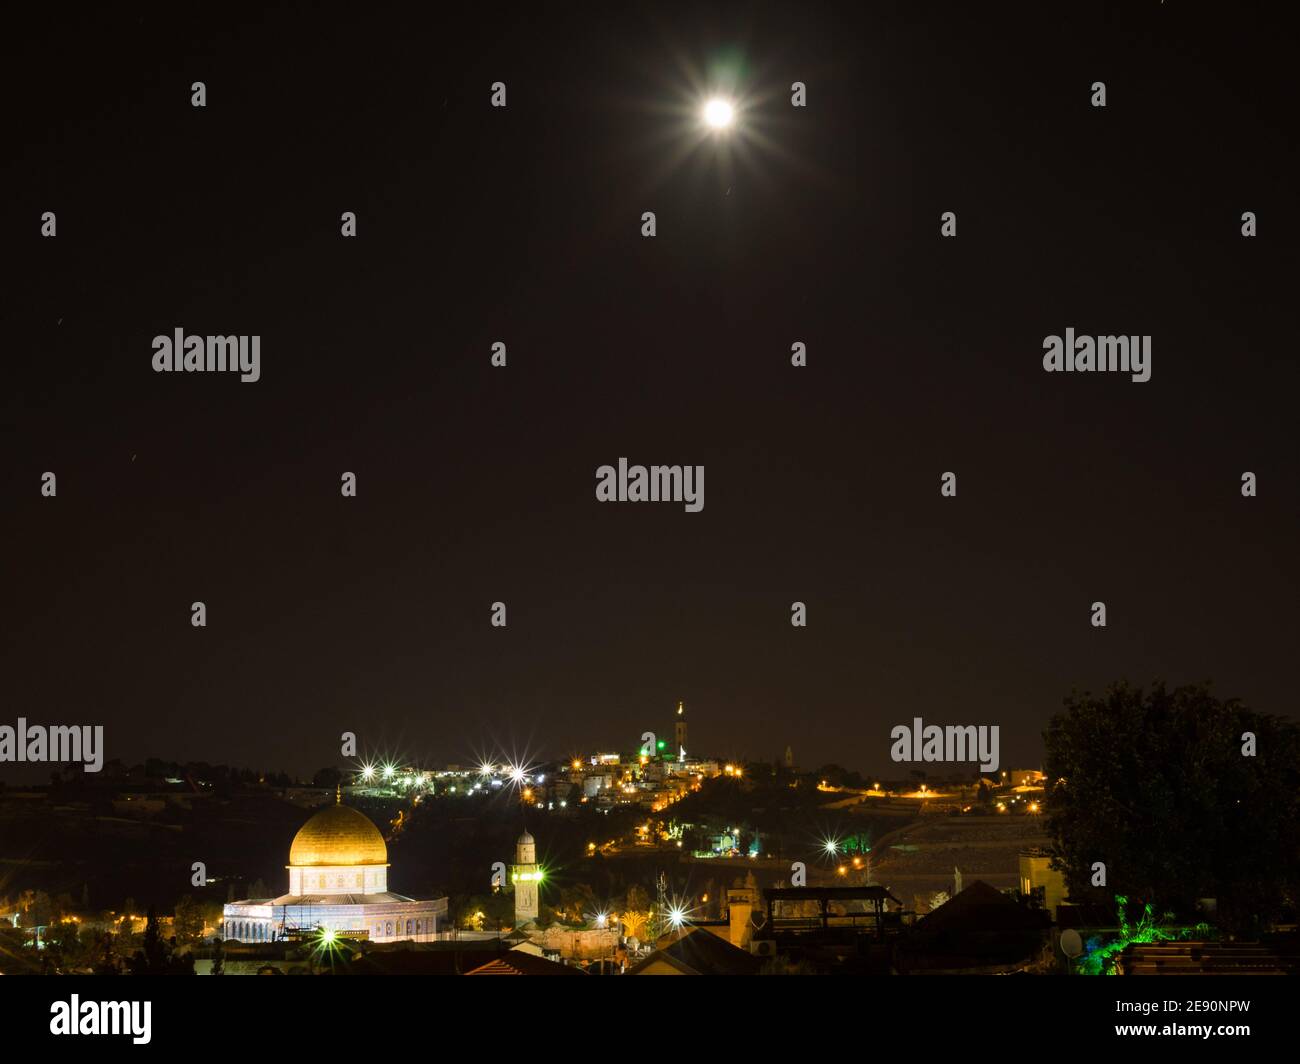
(718, 113)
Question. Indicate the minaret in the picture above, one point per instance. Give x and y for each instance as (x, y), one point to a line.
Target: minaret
(526, 877)
(679, 731)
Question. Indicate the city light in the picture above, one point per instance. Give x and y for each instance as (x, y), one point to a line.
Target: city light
(718, 113)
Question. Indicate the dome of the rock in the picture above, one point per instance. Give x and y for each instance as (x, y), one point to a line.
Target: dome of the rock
(338, 883)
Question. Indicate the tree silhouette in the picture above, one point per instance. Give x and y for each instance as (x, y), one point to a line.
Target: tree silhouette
(1155, 785)
(188, 920)
(156, 956)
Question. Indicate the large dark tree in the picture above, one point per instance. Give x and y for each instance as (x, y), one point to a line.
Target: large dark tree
(157, 956)
(187, 921)
(1154, 784)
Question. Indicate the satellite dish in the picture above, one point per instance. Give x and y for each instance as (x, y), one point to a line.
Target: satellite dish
(1071, 943)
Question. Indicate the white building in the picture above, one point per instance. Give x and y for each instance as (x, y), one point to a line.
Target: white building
(338, 881)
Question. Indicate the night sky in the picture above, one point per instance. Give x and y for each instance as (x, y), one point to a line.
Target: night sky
(522, 224)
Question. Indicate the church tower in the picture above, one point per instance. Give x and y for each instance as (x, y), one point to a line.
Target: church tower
(679, 731)
(526, 877)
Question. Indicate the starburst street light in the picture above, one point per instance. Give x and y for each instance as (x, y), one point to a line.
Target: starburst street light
(719, 113)
(325, 946)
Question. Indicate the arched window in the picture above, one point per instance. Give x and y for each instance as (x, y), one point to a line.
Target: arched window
(388, 927)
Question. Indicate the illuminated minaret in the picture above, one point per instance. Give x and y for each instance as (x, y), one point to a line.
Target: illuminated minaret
(526, 877)
(679, 732)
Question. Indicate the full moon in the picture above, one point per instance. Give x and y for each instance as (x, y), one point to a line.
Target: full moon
(718, 113)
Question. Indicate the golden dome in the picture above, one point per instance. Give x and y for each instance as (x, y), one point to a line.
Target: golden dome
(338, 835)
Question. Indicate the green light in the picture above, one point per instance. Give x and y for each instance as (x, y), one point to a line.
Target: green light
(1102, 959)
